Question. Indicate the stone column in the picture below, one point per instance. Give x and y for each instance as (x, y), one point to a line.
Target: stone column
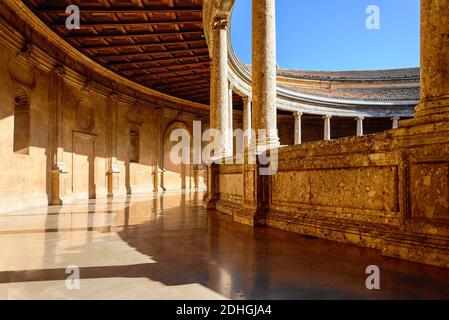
(327, 127)
(213, 186)
(395, 120)
(298, 127)
(231, 120)
(264, 72)
(434, 60)
(219, 85)
(157, 179)
(56, 142)
(359, 126)
(113, 169)
(247, 121)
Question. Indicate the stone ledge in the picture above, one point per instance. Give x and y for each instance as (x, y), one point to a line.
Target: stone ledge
(391, 241)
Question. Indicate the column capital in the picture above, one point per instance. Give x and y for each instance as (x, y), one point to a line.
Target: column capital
(230, 85)
(360, 118)
(220, 24)
(114, 96)
(60, 70)
(247, 99)
(395, 117)
(298, 114)
(327, 116)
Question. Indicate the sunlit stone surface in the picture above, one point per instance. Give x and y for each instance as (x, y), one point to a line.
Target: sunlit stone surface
(168, 247)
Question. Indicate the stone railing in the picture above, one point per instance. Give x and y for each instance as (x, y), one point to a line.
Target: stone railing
(387, 192)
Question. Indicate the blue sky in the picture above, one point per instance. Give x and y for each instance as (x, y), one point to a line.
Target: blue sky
(331, 34)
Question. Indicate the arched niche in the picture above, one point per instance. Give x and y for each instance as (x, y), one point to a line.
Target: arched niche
(21, 122)
(175, 177)
(85, 116)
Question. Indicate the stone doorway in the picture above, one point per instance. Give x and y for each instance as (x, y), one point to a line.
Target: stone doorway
(83, 163)
(176, 177)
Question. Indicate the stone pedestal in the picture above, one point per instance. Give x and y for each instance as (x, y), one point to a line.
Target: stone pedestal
(58, 184)
(157, 178)
(213, 182)
(113, 176)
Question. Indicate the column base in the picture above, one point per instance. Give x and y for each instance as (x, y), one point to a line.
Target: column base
(249, 216)
(113, 176)
(428, 112)
(58, 184)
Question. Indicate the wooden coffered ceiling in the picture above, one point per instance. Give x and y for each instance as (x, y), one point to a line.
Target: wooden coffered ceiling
(157, 43)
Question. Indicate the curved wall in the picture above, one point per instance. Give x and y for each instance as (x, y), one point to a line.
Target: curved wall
(92, 133)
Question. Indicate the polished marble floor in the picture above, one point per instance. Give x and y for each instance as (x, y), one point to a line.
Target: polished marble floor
(169, 247)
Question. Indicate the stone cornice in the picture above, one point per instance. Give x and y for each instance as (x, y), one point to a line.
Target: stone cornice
(73, 58)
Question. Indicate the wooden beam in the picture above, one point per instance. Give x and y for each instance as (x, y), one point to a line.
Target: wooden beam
(174, 80)
(176, 86)
(108, 24)
(190, 64)
(199, 56)
(123, 10)
(143, 45)
(201, 91)
(193, 88)
(157, 74)
(148, 53)
(133, 35)
(195, 96)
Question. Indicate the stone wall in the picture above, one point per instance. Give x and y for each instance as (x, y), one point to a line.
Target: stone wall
(387, 191)
(86, 131)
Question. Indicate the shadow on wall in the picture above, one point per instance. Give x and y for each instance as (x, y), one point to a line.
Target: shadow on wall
(176, 176)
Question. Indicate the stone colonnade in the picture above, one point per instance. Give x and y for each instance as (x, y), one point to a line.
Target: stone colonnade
(260, 109)
(260, 112)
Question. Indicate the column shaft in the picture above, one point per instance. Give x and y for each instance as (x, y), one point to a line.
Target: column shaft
(113, 169)
(395, 120)
(327, 127)
(231, 120)
(359, 126)
(434, 58)
(264, 72)
(219, 84)
(247, 121)
(58, 169)
(298, 127)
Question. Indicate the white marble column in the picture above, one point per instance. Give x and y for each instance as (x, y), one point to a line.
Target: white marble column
(231, 120)
(219, 86)
(247, 120)
(264, 73)
(327, 127)
(359, 126)
(298, 127)
(395, 120)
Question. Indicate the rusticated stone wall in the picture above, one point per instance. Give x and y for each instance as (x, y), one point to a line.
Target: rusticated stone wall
(230, 188)
(387, 191)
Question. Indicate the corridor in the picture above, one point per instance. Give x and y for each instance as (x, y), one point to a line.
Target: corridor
(169, 247)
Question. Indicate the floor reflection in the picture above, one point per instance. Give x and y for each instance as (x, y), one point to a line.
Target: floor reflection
(169, 247)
